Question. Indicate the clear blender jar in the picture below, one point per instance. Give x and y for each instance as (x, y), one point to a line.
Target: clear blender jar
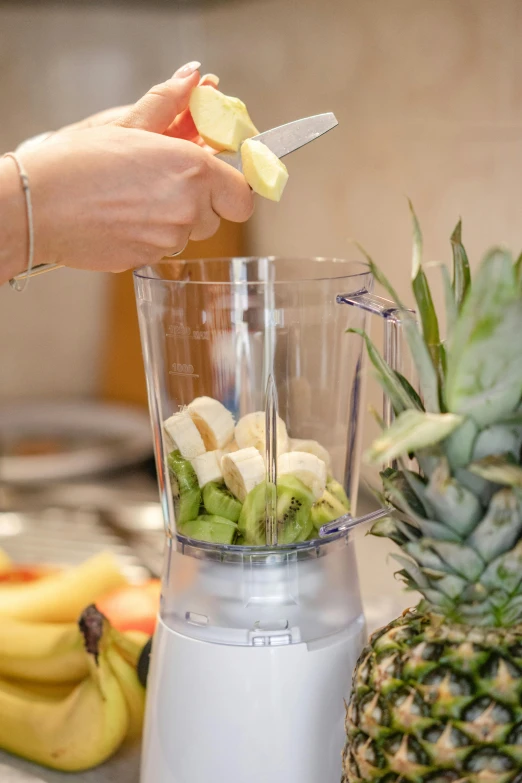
(261, 621)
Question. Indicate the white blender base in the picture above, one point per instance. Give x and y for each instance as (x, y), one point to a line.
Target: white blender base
(247, 714)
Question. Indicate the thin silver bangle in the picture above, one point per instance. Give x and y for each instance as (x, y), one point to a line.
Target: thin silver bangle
(24, 179)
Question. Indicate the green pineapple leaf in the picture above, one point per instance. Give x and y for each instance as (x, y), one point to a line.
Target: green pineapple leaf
(500, 528)
(412, 430)
(452, 503)
(498, 468)
(452, 311)
(410, 390)
(422, 293)
(484, 378)
(461, 270)
(419, 350)
(401, 398)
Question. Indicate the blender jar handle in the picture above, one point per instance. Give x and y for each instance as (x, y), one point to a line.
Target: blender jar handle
(392, 340)
(392, 354)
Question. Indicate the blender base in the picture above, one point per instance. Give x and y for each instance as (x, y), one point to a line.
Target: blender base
(237, 714)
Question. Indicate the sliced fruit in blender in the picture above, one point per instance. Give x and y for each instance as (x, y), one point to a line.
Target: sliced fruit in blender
(219, 500)
(264, 172)
(221, 120)
(210, 528)
(214, 422)
(242, 471)
(312, 447)
(208, 467)
(250, 431)
(185, 488)
(326, 509)
(184, 435)
(306, 467)
(294, 502)
(337, 490)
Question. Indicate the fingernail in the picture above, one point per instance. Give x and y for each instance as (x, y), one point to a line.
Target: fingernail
(210, 78)
(187, 70)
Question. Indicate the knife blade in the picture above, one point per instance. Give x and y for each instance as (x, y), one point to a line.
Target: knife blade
(287, 138)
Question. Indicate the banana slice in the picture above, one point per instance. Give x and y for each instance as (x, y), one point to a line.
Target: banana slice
(243, 470)
(184, 435)
(311, 447)
(250, 431)
(214, 422)
(306, 467)
(208, 467)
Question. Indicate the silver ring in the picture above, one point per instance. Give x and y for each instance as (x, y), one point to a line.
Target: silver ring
(178, 252)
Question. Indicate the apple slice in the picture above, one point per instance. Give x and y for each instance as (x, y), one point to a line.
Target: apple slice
(221, 121)
(263, 170)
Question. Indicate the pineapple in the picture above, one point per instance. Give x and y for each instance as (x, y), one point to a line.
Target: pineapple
(437, 694)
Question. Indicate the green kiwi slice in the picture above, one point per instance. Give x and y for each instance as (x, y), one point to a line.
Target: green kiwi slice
(210, 528)
(294, 502)
(220, 501)
(185, 488)
(337, 490)
(326, 509)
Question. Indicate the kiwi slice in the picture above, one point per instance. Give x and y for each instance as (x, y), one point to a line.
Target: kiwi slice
(294, 502)
(220, 501)
(210, 528)
(337, 490)
(326, 509)
(185, 488)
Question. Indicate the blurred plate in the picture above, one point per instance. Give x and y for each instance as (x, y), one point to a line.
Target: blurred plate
(55, 441)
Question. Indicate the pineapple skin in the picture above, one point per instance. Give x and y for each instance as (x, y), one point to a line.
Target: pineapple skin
(436, 702)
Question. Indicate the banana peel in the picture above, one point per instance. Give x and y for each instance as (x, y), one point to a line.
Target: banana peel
(83, 728)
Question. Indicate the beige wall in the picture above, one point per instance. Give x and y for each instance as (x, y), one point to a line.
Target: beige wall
(428, 97)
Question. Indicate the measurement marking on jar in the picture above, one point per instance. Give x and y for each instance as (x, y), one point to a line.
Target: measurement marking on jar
(187, 370)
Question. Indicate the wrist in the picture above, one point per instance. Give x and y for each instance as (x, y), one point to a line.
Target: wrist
(13, 222)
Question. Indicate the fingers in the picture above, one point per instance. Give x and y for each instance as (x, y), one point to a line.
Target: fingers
(157, 109)
(206, 227)
(183, 126)
(231, 197)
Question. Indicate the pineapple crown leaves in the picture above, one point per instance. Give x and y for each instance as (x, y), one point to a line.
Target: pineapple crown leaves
(458, 520)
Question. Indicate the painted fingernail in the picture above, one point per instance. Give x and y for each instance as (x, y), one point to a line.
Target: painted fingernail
(187, 70)
(210, 78)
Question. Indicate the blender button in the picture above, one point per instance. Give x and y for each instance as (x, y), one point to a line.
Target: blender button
(196, 619)
(280, 639)
(259, 641)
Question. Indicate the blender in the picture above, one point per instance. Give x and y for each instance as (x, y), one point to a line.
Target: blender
(260, 622)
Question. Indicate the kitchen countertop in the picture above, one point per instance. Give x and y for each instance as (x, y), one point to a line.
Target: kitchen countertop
(123, 768)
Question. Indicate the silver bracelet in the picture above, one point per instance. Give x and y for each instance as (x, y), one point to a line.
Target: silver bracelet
(24, 179)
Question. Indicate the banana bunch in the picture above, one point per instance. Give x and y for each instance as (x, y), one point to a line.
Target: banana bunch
(69, 693)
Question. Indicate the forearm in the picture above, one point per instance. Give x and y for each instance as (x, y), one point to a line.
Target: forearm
(13, 222)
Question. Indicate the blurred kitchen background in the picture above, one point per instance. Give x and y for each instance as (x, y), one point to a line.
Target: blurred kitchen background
(428, 94)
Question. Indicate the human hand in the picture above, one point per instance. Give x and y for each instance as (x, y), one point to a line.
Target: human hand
(182, 126)
(133, 189)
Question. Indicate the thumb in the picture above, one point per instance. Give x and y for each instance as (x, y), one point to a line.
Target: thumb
(159, 107)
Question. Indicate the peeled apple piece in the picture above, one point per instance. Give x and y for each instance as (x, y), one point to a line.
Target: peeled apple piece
(263, 170)
(222, 122)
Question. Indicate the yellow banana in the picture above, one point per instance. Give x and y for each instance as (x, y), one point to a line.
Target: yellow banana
(132, 689)
(41, 652)
(129, 644)
(78, 731)
(37, 691)
(62, 596)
